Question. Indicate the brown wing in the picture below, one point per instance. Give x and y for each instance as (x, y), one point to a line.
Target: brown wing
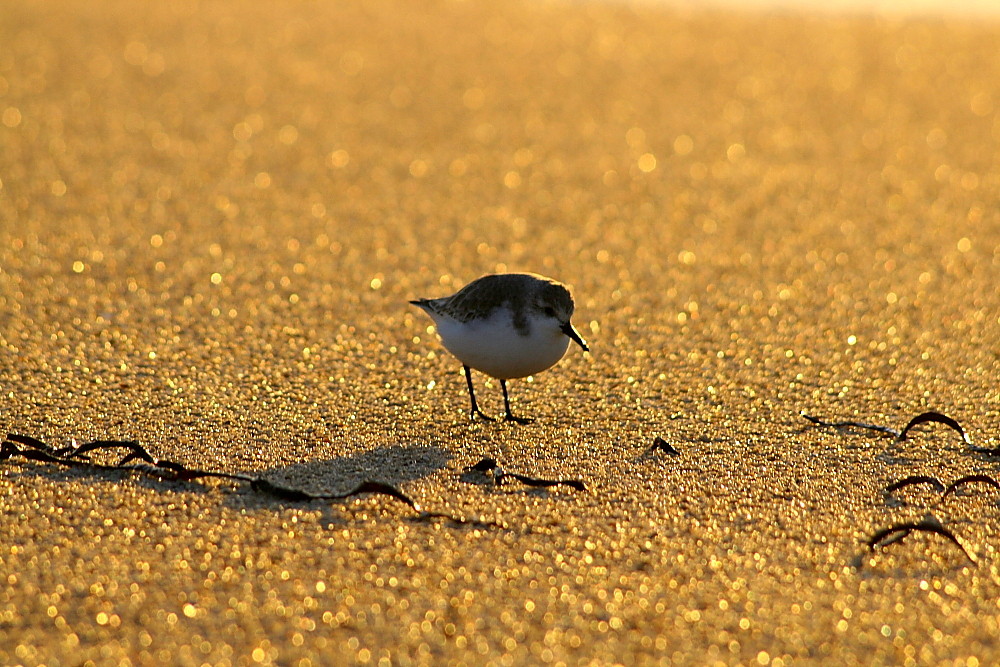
(484, 295)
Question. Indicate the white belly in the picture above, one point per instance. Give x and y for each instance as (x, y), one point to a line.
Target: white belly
(494, 347)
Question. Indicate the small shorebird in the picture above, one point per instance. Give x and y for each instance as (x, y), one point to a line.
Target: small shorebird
(508, 325)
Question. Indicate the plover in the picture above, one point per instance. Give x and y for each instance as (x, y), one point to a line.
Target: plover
(508, 325)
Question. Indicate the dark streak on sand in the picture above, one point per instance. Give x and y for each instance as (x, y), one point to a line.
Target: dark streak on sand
(899, 531)
(75, 457)
(490, 466)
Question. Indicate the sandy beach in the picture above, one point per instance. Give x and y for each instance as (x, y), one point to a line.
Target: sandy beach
(213, 216)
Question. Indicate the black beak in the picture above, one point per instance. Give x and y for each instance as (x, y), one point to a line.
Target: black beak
(574, 336)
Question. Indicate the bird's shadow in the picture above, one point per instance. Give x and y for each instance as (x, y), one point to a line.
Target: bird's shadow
(391, 464)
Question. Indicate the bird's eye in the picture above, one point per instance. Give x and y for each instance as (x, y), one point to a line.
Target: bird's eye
(549, 311)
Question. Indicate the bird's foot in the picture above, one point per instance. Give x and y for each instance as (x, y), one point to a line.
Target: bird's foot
(476, 412)
(518, 420)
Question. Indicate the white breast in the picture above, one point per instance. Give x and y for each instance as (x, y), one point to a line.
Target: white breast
(493, 346)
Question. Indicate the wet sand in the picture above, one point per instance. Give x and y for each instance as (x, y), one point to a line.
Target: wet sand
(212, 217)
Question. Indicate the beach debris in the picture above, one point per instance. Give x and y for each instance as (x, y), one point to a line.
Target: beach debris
(915, 479)
(922, 418)
(970, 479)
(139, 460)
(661, 445)
(898, 532)
(939, 418)
(854, 424)
(939, 486)
(489, 465)
(367, 486)
(136, 451)
(34, 443)
(486, 464)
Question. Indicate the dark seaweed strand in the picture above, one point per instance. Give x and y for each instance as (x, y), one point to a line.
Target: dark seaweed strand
(425, 516)
(136, 450)
(922, 526)
(969, 479)
(297, 495)
(489, 465)
(132, 456)
(378, 488)
(659, 444)
(183, 473)
(939, 418)
(38, 451)
(871, 427)
(9, 449)
(892, 538)
(177, 471)
(915, 479)
(486, 464)
(29, 441)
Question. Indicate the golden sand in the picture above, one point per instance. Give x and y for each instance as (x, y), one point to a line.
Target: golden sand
(212, 216)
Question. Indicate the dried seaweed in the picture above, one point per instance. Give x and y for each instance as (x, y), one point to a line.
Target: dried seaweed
(490, 466)
(939, 418)
(853, 424)
(486, 464)
(75, 457)
(29, 441)
(939, 487)
(969, 479)
(297, 495)
(458, 521)
(661, 445)
(922, 418)
(900, 531)
(915, 479)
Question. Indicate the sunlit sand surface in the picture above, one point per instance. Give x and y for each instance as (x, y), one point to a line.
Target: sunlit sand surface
(212, 216)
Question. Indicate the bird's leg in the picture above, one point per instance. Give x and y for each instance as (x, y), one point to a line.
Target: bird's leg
(472, 395)
(506, 404)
